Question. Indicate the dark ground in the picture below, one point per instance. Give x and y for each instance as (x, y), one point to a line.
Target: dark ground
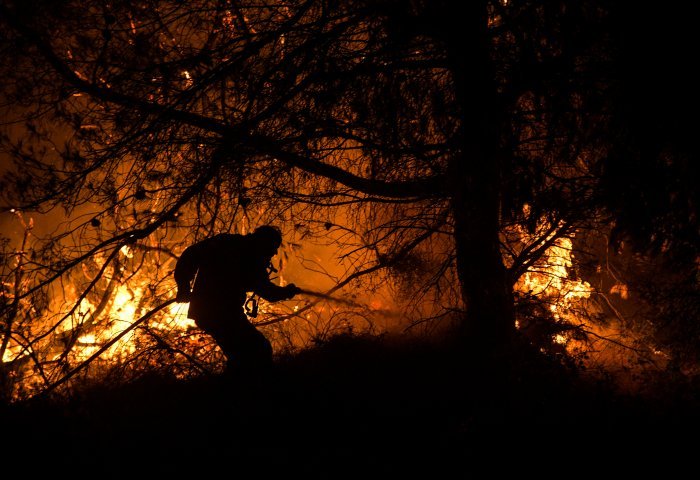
(361, 408)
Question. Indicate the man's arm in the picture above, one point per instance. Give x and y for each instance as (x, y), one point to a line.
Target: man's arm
(271, 292)
(275, 293)
(185, 270)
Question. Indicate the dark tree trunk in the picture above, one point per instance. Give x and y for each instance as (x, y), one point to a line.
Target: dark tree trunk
(482, 275)
(475, 176)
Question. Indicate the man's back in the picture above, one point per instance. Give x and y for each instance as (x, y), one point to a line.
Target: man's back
(226, 268)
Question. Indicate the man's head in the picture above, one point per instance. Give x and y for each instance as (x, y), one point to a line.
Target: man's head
(267, 239)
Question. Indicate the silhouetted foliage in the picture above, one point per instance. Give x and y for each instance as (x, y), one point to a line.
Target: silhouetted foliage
(358, 406)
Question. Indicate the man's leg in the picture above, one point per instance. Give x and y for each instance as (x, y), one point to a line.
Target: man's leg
(253, 350)
(245, 347)
(224, 334)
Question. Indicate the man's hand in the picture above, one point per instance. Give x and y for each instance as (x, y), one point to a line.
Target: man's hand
(292, 290)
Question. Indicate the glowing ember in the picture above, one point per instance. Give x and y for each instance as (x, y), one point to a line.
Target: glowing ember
(620, 290)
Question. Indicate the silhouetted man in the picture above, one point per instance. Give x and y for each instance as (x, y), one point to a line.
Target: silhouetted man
(224, 268)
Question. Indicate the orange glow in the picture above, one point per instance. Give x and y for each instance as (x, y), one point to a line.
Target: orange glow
(122, 313)
(549, 278)
(132, 284)
(577, 308)
(13, 352)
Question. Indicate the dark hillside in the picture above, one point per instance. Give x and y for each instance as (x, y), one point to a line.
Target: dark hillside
(356, 408)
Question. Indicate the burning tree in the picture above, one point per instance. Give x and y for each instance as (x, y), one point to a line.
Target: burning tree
(448, 152)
